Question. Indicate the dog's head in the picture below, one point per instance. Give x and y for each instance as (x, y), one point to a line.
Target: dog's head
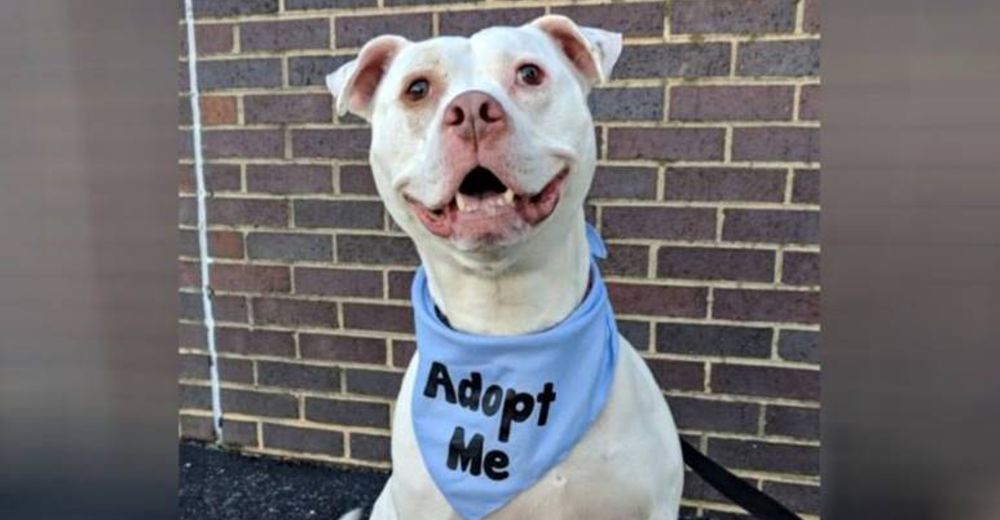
(477, 143)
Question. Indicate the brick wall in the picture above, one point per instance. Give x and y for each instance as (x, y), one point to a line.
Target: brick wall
(707, 193)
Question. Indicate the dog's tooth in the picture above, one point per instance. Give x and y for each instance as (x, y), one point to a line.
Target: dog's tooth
(508, 196)
(460, 201)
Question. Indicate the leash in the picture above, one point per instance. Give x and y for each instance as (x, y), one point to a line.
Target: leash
(756, 502)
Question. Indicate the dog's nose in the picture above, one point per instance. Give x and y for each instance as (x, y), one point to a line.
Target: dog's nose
(474, 115)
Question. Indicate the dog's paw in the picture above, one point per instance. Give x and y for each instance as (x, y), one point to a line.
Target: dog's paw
(354, 514)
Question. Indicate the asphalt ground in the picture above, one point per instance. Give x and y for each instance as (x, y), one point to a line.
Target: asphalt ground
(223, 485)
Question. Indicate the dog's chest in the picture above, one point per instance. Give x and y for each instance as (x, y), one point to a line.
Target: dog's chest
(619, 469)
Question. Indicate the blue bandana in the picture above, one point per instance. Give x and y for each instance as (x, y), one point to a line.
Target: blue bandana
(493, 414)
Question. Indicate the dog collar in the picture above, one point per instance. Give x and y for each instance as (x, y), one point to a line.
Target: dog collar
(493, 414)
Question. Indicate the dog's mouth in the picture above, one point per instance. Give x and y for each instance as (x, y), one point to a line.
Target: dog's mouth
(483, 207)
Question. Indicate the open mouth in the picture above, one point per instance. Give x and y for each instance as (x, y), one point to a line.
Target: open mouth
(484, 206)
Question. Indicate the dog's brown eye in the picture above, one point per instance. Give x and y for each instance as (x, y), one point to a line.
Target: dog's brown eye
(418, 89)
(530, 74)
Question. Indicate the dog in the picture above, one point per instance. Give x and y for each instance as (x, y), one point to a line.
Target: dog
(483, 150)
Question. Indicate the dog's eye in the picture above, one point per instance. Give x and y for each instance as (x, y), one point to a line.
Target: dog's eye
(418, 89)
(529, 74)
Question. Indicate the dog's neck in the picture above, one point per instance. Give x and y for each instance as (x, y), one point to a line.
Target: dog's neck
(547, 281)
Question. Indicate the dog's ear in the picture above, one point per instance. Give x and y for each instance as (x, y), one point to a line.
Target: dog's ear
(592, 51)
(355, 82)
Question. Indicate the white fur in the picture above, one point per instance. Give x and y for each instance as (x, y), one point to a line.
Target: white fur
(628, 465)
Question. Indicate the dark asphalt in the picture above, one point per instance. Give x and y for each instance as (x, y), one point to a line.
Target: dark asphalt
(222, 485)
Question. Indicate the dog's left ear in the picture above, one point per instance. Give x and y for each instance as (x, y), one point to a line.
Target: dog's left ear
(593, 52)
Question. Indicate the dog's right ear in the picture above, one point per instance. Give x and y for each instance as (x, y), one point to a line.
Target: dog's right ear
(355, 82)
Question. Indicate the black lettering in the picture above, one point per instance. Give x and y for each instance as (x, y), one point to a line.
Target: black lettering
(471, 456)
(545, 398)
(469, 391)
(492, 400)
(516, 407)
(438, 376)
(496, 461)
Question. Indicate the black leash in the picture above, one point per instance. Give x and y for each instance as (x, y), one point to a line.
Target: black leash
(734, 488)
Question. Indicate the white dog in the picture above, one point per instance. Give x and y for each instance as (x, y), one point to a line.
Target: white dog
(483, 150)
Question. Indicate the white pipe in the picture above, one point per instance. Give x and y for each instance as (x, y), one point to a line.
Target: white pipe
(202, 193)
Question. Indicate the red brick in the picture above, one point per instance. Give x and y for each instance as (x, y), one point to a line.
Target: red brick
(243, 143)
(671, 144)
(658, 300)
(197, 428)
(216, 38)
(623, 182)
(376, 250)
(809, 103)
(234, 7)
(303, 440)
(312, 70)
(254, 278)
(789, 383)
(636, 332)
(402, 352)
(338, 282)
(243, 73)
(358, 180)
(677, 375)
(657, 222)
(799, 345)
(239, 433)
(718, 184)
(285, 35)
(373, 316)
(378, 383)
(289, 178)
(258, 403)
(188, 274)
(328, 4)
(294, 108)
(400, 283)
(192, 336)
(811, 19)
(778, 226)
(676, 60)
(732, 16)
(465, 23)
(793, 58)
(624, 104)
(299, 377)
(705, 263)
(374, 448)
(355, 31)
(349, 413)
(800, 268)
(645, 19)
(290, 247)
(221, 244)
(254, 341)
(218, 177)
(766, 305)
(713, 340)
(741, 103)
(626, 260)
(805, 187)
(802, 498)
(791, 421)
(225, 308)
(342, 348)
(776, 144)
(340, 214)
(215, 110)
(342, 143)
(765, 456)
(248, 212)
(720, 416)
(294, 313)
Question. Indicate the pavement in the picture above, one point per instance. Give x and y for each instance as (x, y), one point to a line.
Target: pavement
(223, 485)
